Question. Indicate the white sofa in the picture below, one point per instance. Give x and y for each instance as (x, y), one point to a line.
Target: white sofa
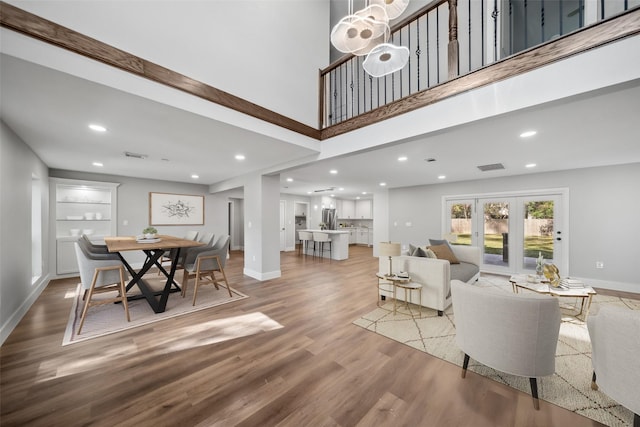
(434, 275)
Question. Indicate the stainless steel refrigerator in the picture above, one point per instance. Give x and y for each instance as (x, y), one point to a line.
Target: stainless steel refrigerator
(329, 218)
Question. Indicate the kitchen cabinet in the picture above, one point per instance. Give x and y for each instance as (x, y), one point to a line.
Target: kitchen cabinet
(362, 236)
(346, 209)
(364, 209)
(353, 236)
(80, 207)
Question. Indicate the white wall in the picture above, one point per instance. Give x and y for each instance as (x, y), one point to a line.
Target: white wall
(17, 166)
(133, 205)
(240, 47)
(603, 211)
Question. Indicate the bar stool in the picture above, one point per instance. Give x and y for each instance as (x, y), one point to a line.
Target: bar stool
(321, 239)
(306, 237)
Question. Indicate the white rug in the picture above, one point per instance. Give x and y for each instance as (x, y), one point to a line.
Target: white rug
(110, 318)
(569, 387)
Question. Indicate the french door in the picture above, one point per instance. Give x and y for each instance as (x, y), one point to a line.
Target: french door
(512, 230)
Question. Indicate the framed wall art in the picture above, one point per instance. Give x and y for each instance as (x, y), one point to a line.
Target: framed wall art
(175, 209)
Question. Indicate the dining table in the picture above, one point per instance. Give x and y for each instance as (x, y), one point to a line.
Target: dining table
(154, 249)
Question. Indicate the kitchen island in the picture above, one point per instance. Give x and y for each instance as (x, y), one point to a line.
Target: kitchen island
(339, 244)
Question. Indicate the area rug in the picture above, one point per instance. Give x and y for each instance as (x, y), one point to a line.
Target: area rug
(110, 318)
(569, 387)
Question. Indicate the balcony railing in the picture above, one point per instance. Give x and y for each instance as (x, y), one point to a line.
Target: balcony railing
(450, 38)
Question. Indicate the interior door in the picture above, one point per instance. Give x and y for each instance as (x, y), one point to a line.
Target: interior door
(283, 222)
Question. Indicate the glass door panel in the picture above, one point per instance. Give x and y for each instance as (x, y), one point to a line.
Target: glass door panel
(539, 231)
(460, 222)
(495, 233)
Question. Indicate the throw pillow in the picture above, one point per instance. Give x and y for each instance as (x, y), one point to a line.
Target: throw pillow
(445, 252)
(419, 252)
(436, 242)
(430, 253)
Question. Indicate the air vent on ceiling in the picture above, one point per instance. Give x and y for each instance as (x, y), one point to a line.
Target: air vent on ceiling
(135, 155)
(326, 189)
(493, 167)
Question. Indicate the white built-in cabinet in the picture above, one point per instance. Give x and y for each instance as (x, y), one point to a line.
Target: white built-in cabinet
(364, 209)
(355, 209)
(346, 209)
(80, 207)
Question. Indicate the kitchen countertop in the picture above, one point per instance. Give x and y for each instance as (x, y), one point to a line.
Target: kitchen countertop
(326, 231)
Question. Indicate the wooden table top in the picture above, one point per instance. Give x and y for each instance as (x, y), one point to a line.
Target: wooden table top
(129, 243)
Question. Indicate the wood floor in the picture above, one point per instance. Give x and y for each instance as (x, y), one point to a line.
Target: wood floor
(318, 370)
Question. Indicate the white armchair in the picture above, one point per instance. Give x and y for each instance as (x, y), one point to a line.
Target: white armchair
(512, 333)
(615, 342)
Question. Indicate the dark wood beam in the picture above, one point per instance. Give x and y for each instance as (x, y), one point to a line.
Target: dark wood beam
(47, 31)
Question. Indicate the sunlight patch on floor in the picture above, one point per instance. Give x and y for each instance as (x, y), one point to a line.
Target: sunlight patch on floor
(183, 338)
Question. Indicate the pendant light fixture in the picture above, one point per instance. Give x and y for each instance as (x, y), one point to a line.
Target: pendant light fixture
(367, 30)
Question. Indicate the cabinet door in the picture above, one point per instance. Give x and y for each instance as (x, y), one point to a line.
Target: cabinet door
(66, 261)
(363, 209)
(347, 209)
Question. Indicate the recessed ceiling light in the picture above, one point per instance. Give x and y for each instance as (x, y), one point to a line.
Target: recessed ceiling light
(341, 189)
(441, 176)
(240, 157)
(364, 192)
(528, 133)
(333, 171)
(333, 195)
(530, 165)
(289, 179)
(358, 198)
(402, 158)
(97, 128)
(98, 164)
(382, 184)
(308, 192)
(194, 176)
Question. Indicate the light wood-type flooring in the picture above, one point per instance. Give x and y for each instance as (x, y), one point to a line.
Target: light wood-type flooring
(318, 370)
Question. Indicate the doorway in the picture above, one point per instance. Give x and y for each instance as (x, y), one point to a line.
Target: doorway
(512, 230)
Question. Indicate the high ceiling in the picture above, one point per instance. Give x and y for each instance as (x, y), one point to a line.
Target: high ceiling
(51, 110)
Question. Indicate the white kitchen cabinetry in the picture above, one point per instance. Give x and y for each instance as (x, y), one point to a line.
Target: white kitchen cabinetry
(364, 209)
(362, 236)
(353, 236)
(346, 209)
(80, 207)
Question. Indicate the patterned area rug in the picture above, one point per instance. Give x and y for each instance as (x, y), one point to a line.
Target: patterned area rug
(569, 387)
(110, 318)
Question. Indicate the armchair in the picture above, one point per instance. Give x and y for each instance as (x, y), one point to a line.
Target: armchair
(513, 333)
(615, 342)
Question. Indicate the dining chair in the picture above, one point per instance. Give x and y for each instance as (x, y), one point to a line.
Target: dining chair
(204, 266)
(166, 257)
(100, 273)
(321, 239)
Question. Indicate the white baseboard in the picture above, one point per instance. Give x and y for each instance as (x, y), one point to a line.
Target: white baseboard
(17, 315)
(262, 276)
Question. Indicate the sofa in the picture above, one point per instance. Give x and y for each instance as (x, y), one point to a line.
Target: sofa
(433, 274)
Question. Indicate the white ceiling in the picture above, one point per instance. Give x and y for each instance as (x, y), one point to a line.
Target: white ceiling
(50, 110)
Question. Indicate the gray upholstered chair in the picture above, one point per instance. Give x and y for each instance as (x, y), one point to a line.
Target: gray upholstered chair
(188, 255)
(100, 273)
(92, 247)
(615, 356)
(204, 266)
(512, 333)
(166, 257)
